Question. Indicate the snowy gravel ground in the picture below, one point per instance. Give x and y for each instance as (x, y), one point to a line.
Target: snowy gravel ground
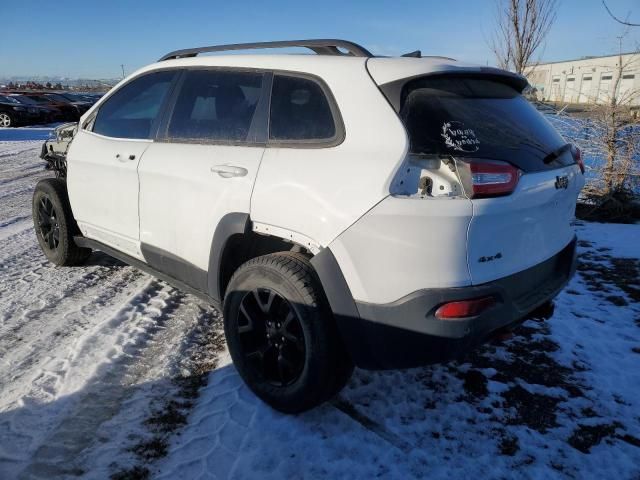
(106, 372)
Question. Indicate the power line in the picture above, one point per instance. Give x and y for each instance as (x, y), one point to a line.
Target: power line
(617, 19)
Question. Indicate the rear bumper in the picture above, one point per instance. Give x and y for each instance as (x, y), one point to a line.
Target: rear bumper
(406, 333)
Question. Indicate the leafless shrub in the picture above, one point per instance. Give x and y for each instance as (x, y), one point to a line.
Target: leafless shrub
(609, 137)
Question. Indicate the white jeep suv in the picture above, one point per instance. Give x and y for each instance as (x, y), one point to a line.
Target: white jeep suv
(341, 208)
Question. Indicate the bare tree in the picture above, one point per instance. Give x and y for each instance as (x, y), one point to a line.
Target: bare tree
(522, 26)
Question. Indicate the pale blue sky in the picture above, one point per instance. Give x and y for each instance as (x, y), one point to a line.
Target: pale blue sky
(86, 38)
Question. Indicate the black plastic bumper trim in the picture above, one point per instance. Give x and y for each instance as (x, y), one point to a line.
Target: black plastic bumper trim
(406, 333)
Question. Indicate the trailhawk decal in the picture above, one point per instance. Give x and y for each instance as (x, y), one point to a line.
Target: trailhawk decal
(459, 138)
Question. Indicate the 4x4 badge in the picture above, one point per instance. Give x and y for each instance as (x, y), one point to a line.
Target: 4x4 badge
(490, 258)
(562, 182)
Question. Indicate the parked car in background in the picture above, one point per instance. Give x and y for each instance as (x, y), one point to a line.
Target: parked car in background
(13, 114)
(83, 97)
(18, 113)
(48, 114)
(92, 96)
(61, 111)
(80, 104)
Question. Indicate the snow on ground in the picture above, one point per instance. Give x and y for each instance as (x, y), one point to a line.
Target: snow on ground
(37, 132)
(106, 372)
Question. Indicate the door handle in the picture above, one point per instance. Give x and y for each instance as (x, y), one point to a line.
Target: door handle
(228, 171)
(119, 157)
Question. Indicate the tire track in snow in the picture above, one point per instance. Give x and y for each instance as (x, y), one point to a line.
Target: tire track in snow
(40, 328)
(76, 343)
(18, 189)
(29, 174)
(19, 146)
(73, 384)
(149, 330)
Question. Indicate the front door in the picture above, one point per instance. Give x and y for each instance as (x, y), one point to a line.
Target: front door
(202, 167)
(103, 161)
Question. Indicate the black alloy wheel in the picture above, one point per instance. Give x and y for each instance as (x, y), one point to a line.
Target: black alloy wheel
(281, 332)
(54, 224)
(271, 336)
(48, 223)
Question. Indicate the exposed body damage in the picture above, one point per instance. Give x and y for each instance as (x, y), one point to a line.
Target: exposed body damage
(54, 150)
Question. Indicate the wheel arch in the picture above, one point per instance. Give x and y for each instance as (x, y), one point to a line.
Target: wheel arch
(235, 242)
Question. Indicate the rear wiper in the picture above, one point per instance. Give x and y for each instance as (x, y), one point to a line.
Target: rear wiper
(556, 153)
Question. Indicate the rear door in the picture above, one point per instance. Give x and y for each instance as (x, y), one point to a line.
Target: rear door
(475, 120)
(103, 161)
(202, 167)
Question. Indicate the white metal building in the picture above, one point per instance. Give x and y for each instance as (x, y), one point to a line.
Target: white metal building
(588, 79)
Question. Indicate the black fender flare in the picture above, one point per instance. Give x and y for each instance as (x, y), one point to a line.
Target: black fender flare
(334, 284)
(233, 223)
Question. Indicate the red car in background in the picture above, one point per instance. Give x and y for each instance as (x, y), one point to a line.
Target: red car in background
(60, 111)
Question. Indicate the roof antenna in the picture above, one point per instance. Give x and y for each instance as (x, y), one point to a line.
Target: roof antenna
(416, 54)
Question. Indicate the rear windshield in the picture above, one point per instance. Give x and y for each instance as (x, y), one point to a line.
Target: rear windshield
(471, 117)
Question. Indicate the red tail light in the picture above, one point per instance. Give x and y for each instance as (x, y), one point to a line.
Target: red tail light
(464, 308)
(577, 156)
(488, 178)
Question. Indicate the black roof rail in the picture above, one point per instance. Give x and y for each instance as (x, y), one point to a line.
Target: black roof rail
(320, 46)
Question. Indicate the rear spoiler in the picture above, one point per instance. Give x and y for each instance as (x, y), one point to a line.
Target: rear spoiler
(393, 90)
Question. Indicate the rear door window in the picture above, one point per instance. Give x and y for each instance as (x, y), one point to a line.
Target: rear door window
(300, 111)
(480, 118)
(217, 106)
(131, 111)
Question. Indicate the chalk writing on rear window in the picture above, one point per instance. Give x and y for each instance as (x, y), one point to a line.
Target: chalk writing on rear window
(459, 138)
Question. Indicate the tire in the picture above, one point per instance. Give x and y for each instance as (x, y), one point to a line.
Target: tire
(6, 120)
(275, 309)
(55, 225)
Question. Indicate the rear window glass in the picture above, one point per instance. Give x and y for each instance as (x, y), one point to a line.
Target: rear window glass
(299, 111)
(471, 117)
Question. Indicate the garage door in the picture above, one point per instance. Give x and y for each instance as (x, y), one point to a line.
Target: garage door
(554, 95)
(570, 93)
(585, 89)
(625, 91)
(604, 89)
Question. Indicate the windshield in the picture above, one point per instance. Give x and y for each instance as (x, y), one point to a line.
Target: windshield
(4, 98)
(57, 97)
(75, 97)
(479, 118)
(24, 100)
(40, 99)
